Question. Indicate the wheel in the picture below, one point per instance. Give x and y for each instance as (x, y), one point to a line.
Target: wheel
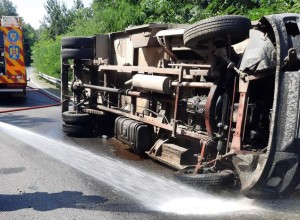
(71, 117)
(77, 42)
(224, 177)
(77, 130)
(82, 53)
(218, 28)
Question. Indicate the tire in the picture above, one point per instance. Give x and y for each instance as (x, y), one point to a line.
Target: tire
(77, 130)
(224, 177)
(217, 28)
(73, 118)
(77, 42)
(139, 152)
(82, 53)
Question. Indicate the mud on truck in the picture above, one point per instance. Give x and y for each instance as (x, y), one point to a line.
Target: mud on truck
(217, 100)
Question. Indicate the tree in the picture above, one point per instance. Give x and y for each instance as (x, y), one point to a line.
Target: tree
(30, 37)
(78, 13)
(115, 15)
(56, 21)
(59, 19)
(267, 7)
(46, 56)
(217, 7)
(78, 5)
(7, 8)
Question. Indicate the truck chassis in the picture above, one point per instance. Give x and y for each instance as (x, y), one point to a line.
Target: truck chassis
(217, 100)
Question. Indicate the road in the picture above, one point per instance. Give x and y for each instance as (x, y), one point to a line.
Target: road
(47, 175)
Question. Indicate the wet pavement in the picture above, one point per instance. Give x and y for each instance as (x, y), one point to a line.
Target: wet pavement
(36, 185)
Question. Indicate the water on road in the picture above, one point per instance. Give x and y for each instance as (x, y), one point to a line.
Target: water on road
(154, 192)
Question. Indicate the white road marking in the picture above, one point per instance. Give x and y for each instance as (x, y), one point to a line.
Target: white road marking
(35, 84)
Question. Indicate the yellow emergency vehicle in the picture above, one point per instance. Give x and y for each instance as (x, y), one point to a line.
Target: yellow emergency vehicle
(12, 65)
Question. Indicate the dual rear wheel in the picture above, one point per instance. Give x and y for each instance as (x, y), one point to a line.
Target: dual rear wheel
(78, 47)
(77, 124)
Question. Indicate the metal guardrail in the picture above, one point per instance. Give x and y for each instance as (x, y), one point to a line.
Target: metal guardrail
(52, 79)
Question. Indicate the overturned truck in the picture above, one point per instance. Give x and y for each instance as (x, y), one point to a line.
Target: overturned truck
(217, 100)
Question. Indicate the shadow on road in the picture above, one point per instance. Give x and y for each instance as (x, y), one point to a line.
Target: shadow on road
(43, 201)
(14, 170)
(23, 120)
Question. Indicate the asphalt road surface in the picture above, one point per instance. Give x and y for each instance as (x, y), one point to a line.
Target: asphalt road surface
(47, 175)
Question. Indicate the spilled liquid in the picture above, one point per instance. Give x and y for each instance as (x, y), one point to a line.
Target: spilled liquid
(153, 191)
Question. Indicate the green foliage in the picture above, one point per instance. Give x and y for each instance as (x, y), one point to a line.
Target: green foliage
(56, 22)
(114, 15)
(7, 8)
(30, 37)
(83, 23)
(59, 20)
(46, 57)
(166, 11)
(218, 7)
(267, 7)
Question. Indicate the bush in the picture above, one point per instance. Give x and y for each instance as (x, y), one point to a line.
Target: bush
(46, 57)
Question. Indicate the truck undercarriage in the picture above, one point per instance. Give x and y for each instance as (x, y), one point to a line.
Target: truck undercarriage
(217, 100)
